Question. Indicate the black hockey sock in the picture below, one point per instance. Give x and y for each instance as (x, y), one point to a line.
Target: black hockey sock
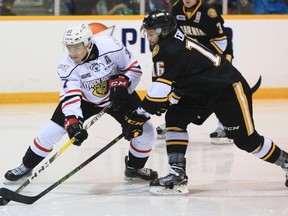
(30, 159)
(136, 162)
(177, 159)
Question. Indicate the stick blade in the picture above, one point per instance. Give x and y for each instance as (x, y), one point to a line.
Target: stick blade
(257, 85)
(16, 197)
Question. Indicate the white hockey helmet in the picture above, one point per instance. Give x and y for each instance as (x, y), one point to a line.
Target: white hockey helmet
(77, 33)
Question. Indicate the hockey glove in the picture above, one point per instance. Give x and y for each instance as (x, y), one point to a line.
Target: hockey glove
(133, 125)
(74, 129)
(118, 86)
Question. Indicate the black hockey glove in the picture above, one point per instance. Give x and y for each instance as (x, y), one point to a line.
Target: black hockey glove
(118, 86)
(133, 125)
(74, 129)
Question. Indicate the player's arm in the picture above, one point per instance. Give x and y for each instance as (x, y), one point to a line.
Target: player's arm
(70, 97)
(127, 65)
(156, 98)
(129, 74)
(220, 37)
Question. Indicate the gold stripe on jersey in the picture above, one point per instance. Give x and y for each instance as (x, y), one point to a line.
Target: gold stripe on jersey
(173, 95)
(215, 45)
(270, 152)
(190, 14)
(244, 107)
(168, 82)
(228, 57)
(156, 99)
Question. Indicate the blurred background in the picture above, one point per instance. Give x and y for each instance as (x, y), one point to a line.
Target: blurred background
(132, 7)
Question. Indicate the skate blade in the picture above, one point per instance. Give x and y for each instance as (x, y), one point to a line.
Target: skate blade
(135, 179)
(162, 191)
(221, 141)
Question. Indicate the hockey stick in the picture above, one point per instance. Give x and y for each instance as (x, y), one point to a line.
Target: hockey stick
(257, 85)
(11, 195)
(57, 154)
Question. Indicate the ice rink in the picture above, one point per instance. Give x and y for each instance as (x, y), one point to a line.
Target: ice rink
(223, 180)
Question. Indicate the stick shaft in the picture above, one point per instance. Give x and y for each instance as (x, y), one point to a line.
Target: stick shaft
(11, 195)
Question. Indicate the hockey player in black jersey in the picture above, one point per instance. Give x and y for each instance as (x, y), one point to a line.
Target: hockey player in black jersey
(94, 71)
(209, 83)
(201, 22)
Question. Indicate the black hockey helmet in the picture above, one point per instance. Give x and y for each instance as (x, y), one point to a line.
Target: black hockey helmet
(162, 21)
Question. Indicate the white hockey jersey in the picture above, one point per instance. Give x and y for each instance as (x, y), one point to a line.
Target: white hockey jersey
(89, 80)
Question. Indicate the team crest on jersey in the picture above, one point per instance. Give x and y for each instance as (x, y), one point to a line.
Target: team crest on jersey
(212, 13)
(101, 89)
(155, 50)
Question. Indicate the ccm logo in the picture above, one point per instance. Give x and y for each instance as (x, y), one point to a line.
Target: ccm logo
(231, 128)
(118, 83)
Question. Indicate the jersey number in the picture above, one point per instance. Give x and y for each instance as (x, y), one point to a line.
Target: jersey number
(216, 59)
(158, 69)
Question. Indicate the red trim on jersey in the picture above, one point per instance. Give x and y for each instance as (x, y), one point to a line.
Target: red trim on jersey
(137, 150)
(70, 102)
(71, 91)
(129, 68)
(140, 72)
(40, 147)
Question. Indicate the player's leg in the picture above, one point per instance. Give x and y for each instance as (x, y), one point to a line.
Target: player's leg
(41, 146)
(161, 129)
(140, 147)
(177, 118)
(236, 114)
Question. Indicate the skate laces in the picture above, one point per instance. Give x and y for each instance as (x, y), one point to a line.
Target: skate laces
(22, 169)
(172, 171)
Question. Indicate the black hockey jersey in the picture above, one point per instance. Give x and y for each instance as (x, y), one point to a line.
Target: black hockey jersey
(191, 69)
(203, 23)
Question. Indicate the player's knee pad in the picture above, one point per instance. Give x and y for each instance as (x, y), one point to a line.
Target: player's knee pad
(141, 146)
(249, 143)
(49, 135)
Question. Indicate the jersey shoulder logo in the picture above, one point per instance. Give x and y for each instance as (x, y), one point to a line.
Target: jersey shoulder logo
(155, 50)
(212, 13)
(181, 17)
(197, 17)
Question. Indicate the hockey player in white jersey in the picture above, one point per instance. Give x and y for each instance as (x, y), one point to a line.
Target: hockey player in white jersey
(93, 72)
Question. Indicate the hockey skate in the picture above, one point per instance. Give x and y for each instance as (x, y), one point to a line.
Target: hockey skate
(142, 174)
(283, 162)
(161, 131)
(17, 175)
(175, 183)
(219, 136)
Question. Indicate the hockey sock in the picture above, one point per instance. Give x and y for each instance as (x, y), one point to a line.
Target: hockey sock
(136, 162)
(30, 159)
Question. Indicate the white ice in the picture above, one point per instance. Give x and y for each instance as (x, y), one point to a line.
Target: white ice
(223, 180)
